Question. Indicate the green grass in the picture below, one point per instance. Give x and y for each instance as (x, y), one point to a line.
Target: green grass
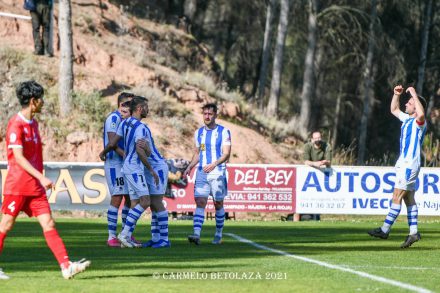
(32, 267)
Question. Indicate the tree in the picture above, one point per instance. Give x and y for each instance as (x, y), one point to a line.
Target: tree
(66, 57)
(368, 86)
(308, 87)
(275, 88)
(424, 47)
(189, 9)
(265, 52)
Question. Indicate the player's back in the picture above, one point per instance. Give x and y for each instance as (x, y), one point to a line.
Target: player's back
(155, 157)
(131, 129)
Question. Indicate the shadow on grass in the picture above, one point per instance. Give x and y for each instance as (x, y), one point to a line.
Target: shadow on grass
(26, 250)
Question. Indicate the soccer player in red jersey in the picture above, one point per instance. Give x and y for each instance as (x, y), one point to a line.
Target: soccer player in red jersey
(25, 185)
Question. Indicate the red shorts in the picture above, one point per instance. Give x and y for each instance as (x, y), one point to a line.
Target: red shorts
(33, 206)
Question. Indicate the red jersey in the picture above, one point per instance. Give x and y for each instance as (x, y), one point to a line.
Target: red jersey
(23, 133)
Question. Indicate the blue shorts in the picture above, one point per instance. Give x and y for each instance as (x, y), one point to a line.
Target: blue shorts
(161, 171)
(115, 180)
(213, 184)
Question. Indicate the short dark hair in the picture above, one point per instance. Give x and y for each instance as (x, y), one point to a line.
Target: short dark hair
(123, 96)
(315, 131)
(421, 99)
(136, 101)
(210, 106)
(423, 102)
(27, 90)
(126, 104)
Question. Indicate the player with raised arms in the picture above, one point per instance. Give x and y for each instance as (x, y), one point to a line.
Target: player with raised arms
(408, 164)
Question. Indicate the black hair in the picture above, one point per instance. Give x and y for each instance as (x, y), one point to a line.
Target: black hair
(123, 96)
(421, 99)
(126, 104)
(210, 106)
(315, 131)
(423, 102)
(136, 101)
(27, 90)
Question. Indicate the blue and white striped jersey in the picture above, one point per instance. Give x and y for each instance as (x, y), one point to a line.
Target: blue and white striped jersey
(131, 129)
(411, 140)
(155, 158)
(210, 143)
(111, 125)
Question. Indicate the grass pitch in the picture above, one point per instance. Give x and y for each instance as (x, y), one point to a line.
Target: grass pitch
(233, 266)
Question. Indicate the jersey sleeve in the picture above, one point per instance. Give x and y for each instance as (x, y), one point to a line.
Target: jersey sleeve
(196, 138)
(119, 130)
(143, 133)
(15, 136)
(112, 122)
(226, 137)
(403, 116)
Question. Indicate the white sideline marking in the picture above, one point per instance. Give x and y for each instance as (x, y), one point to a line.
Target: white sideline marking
(392, 267)
(330, 266)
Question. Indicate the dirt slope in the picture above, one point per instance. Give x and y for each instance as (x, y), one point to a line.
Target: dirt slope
(105, 63)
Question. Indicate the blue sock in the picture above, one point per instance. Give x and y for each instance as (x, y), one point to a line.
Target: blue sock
(219, 221)
(133, 216)
(162, 219)
(391, 217)
(124, 214)
(199, 218)
(412, 219)
(112, 221)
(155, 232)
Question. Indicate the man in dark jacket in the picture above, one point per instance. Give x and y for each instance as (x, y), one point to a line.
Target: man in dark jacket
(41, 18)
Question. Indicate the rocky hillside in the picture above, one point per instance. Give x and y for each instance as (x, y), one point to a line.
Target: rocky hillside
(115, 51)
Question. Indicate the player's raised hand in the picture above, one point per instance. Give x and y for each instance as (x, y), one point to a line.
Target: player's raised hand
(412, 91)
(46, 182)
(398, 89)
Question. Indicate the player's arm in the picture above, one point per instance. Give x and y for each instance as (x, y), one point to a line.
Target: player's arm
(118, 150)
(419, 108)
(112, 144)
(316, 164)
(395, 101)
(194, 161)
(142, 143)
(24, 163)
(143, 157)
(226, 153)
